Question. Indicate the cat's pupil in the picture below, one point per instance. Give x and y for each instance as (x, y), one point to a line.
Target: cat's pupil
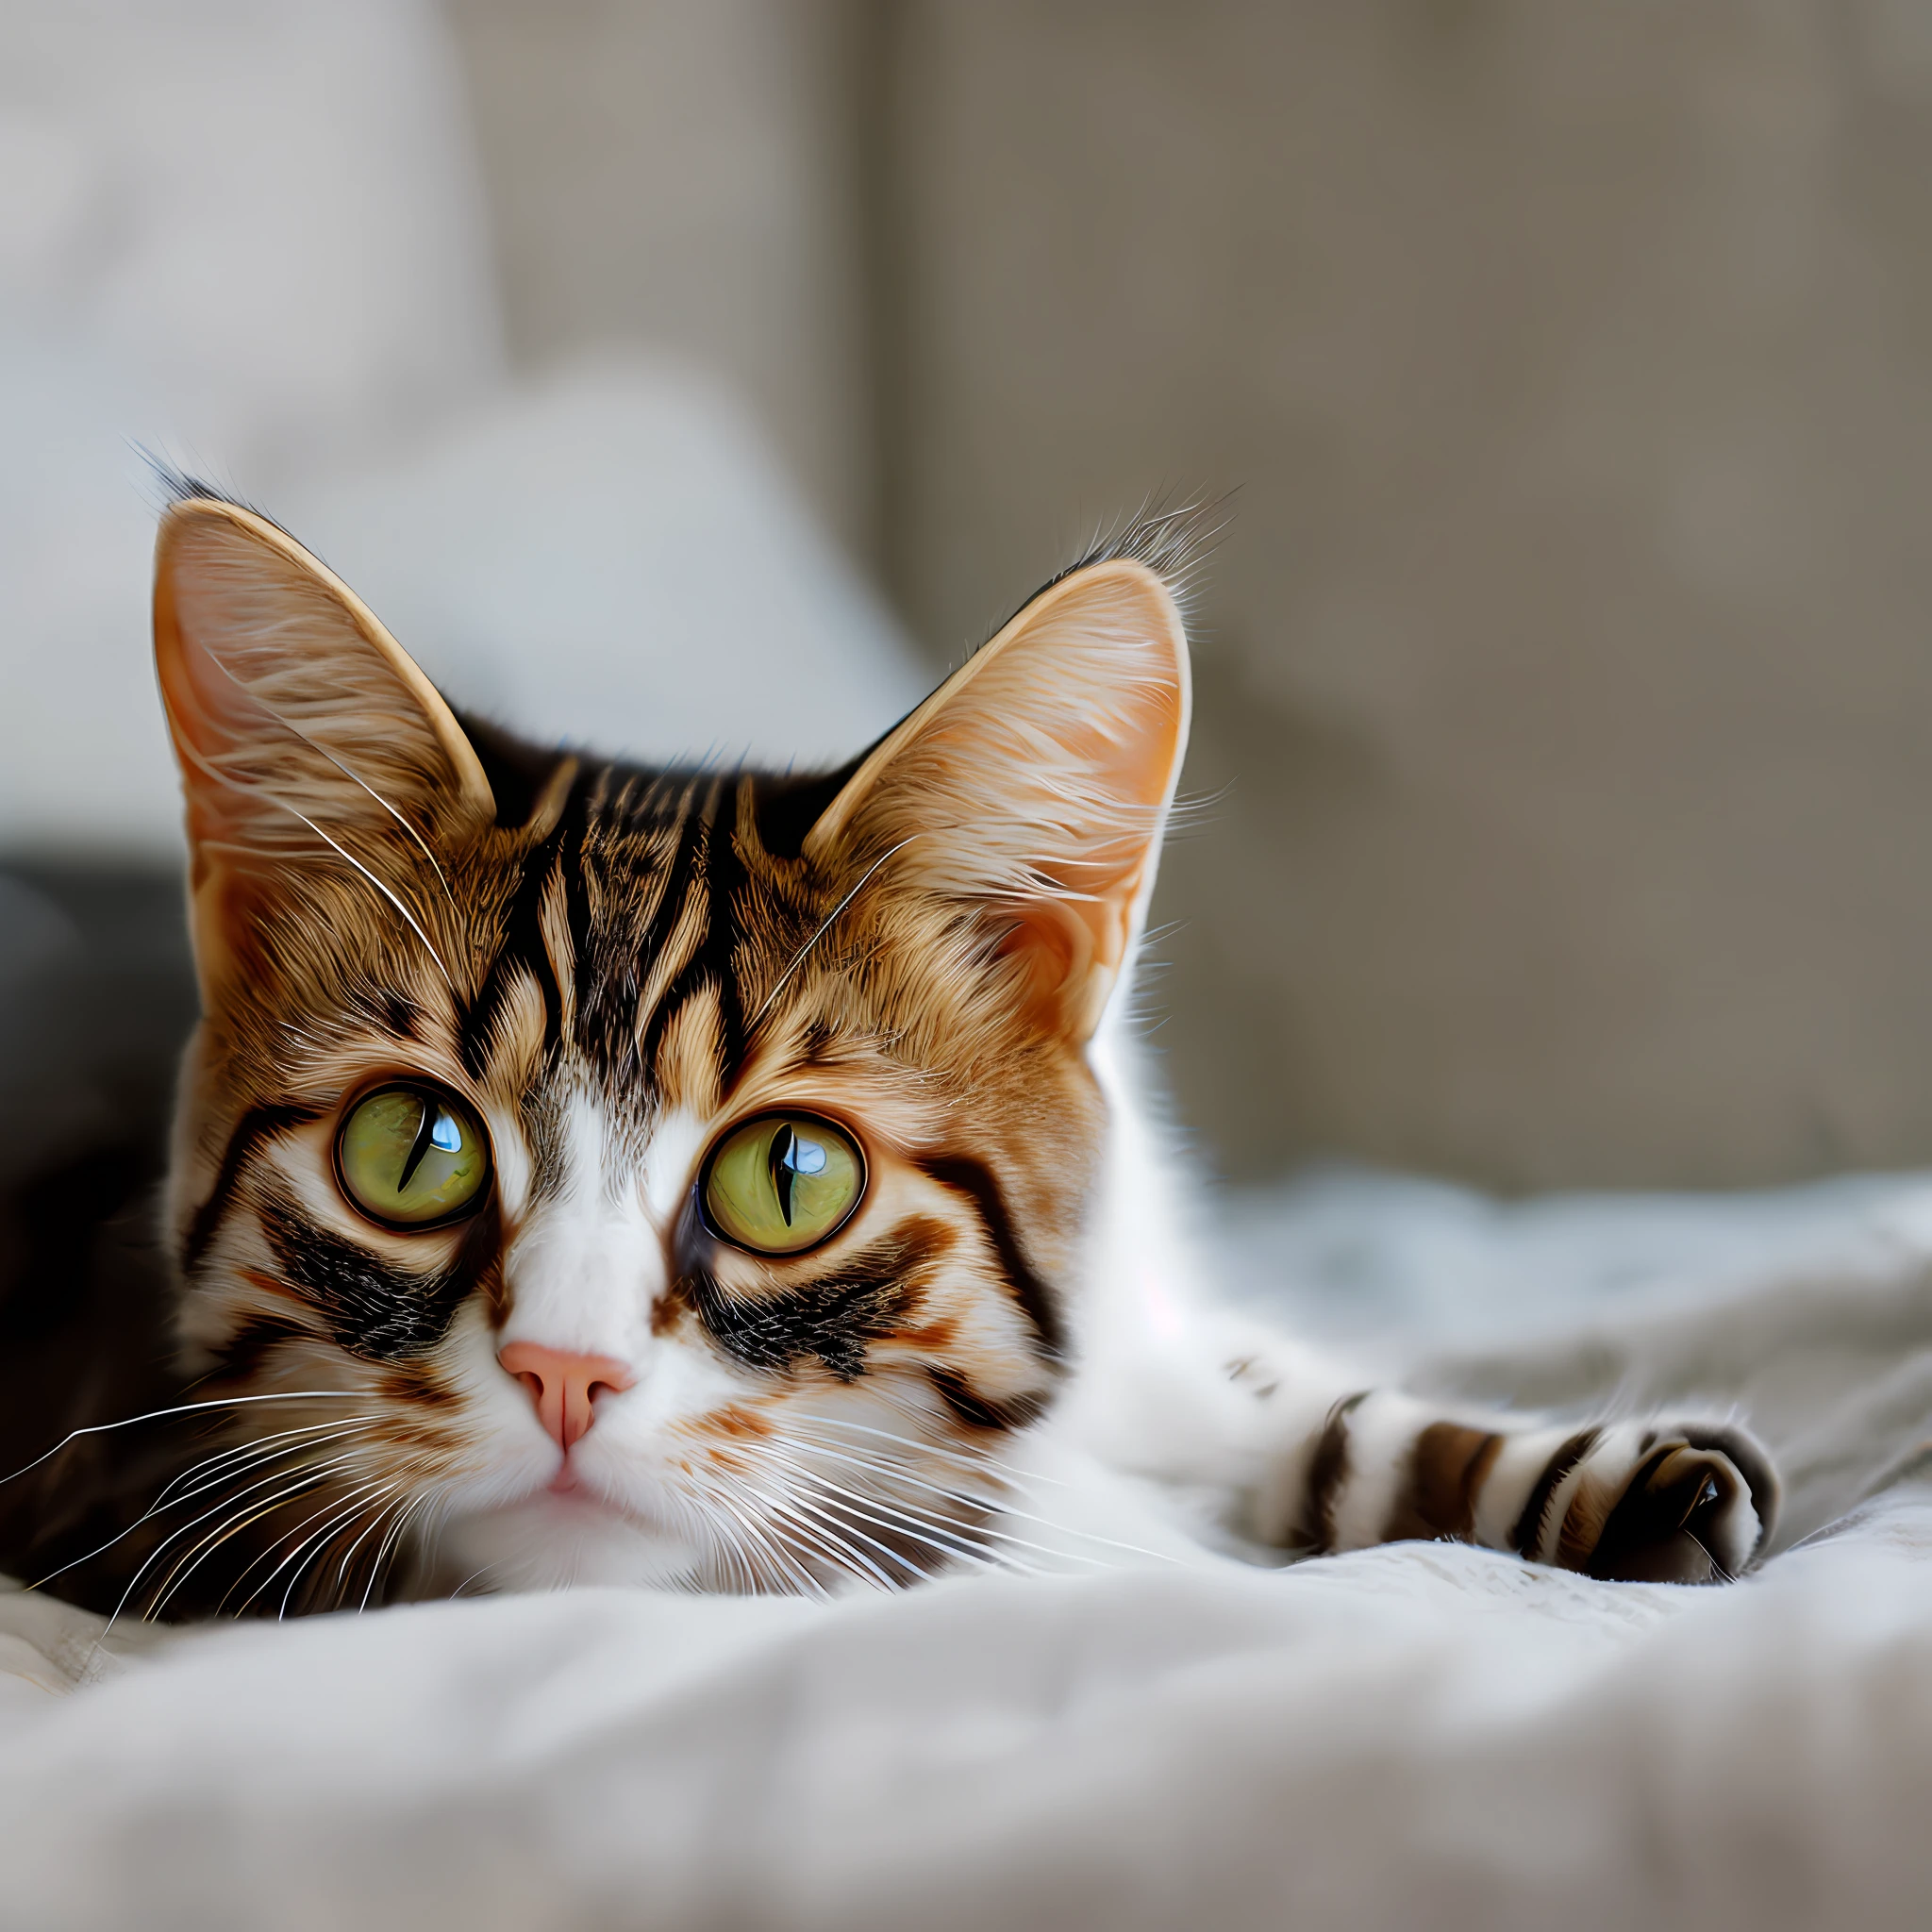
(784, 1176)
(791, 1156)
(436, 1127)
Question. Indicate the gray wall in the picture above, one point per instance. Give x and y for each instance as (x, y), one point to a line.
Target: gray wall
(686, 174)
(1565, 682)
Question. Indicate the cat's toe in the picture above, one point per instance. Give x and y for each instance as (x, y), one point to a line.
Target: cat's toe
(1696, 1508)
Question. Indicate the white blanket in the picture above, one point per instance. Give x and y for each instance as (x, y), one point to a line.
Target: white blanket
(1418, 1735)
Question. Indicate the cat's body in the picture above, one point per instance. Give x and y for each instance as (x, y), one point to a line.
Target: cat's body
(727, 1180)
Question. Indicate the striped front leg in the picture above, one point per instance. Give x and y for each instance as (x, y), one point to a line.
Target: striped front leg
(1664, 1501)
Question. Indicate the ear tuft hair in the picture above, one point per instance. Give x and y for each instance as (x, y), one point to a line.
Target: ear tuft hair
(1172, 540)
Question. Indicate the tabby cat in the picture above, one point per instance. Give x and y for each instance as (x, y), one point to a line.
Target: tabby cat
(729, 1180)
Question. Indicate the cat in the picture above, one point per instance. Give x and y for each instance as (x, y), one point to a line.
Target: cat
(728, 1180)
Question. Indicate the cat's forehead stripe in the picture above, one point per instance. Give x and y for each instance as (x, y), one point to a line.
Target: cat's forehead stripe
(613, 954)
(521, 945)
(554, 928)
(709, 962)
(675, 864)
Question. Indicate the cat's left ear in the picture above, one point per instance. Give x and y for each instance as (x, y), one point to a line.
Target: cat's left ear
(1034, 785)
(302, 727)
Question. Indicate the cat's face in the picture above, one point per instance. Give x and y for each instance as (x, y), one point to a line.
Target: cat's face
(587, 1172)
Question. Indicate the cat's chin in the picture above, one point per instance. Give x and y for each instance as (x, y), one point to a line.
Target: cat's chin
(558, 1539)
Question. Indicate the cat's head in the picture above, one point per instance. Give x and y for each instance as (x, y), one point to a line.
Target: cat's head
(592, 1171)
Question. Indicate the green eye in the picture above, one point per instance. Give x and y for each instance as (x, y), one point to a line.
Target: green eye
(412, 1157)
(783, 1184)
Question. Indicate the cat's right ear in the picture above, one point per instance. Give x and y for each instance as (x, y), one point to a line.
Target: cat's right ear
(304, 731)
(1032, 789)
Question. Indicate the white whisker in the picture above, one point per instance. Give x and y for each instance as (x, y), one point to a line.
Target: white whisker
(307, 1478)
(962, 1541)
(977, 1459)
(718, 1492)
(182, 1409)
(392, 1540)
(339, 1506)
(303, 1480)
(251, 1456)
(761, 1539)
(370, 1500)
(904, 1474)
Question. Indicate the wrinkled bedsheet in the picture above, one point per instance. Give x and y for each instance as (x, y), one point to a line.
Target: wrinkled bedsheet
(1425, 1734)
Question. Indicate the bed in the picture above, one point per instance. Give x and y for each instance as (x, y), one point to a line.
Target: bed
(1424, 1734)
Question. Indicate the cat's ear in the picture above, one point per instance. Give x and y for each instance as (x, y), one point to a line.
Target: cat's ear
(1034, 783)
(303, 730)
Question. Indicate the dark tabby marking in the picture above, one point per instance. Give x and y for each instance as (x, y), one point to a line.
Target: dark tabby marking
(1446, 1473)
(1328, 1468)
(376, 1313)
(258, 1125)
(864, 1300)
(522, 950)
(1529, 1525)
(977, 1412)
(970, 1178)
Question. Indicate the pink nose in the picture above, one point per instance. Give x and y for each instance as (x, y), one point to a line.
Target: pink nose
(563, 1385)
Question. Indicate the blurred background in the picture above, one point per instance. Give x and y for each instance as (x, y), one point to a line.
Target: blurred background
(705, 377)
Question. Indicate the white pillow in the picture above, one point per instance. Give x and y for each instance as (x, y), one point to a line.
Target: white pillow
(247, 233)
(262, 215)
(613, 559)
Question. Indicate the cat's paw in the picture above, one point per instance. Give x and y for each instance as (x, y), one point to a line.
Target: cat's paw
(1695, 1505)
